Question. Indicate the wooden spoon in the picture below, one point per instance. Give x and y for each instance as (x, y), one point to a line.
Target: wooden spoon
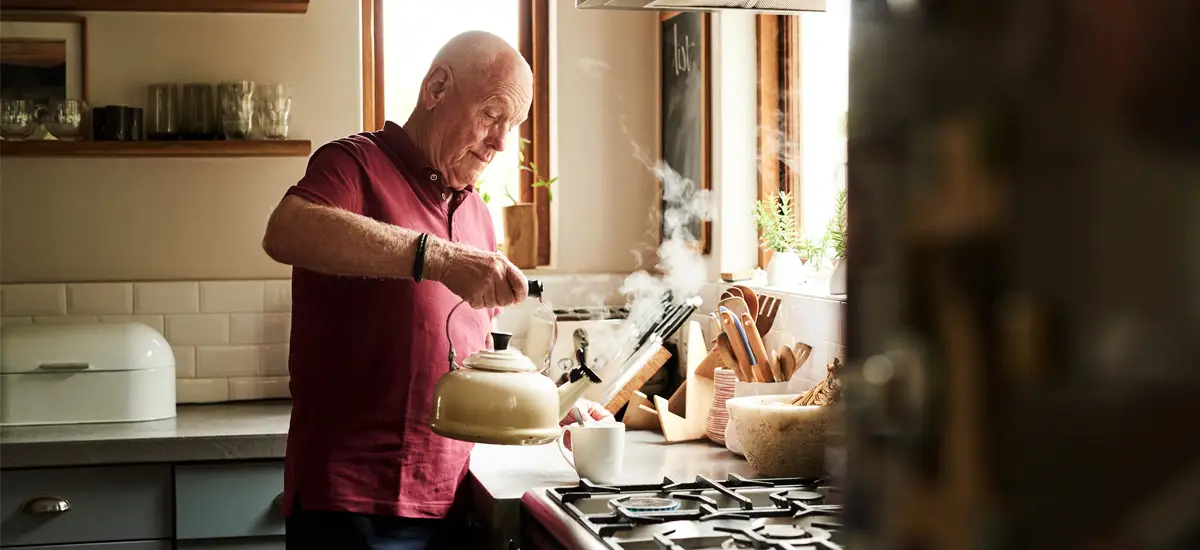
(751, 299)
(736, 305)
(787, 362)
(727, 356)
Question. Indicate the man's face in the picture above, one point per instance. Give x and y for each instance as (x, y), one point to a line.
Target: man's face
(475, 117)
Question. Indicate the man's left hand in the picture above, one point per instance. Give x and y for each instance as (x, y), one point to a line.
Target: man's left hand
(592, 409)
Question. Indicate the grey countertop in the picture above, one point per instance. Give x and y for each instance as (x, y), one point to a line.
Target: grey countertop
(198, 432)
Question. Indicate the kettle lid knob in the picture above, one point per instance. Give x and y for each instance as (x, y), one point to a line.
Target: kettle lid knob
(500, 340)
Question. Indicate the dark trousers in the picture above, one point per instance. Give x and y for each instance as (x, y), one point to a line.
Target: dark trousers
(322, 530)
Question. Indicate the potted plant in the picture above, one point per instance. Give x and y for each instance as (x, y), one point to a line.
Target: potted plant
(776, 219)
(835, 238)
(520, 219)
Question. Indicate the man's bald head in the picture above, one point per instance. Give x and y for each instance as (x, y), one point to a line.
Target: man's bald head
(476, 90)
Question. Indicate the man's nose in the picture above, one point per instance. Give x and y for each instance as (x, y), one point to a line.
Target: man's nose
(496, 140)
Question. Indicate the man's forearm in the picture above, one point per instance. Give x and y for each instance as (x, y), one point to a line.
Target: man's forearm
(337, 242)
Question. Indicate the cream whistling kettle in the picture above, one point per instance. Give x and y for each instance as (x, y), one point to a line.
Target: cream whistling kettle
(500, 397)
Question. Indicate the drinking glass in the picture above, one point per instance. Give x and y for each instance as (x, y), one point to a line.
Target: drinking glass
(163, 112)
(237, 108)
(199, 121)
(274, 111)
(18, 119)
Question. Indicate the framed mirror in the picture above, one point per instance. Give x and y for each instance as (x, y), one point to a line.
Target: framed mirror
(43, 58)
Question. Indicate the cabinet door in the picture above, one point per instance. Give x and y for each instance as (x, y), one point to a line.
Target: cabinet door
(257, 543)
(228, 500)
(93, 504)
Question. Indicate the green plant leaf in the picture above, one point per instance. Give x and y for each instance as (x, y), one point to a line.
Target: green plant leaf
(486, 198)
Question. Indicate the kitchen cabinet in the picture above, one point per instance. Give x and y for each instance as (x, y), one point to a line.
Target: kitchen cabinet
(208, 506)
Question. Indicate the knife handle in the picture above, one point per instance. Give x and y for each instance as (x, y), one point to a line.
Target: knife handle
(762, 369)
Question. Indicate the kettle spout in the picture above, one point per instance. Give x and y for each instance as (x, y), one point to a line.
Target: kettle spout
(581, 378)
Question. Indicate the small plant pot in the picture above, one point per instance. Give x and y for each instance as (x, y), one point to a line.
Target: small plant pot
(521, 235)
(837, 281)
(785, 269)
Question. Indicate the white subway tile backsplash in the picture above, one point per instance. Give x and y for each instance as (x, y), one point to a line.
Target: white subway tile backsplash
(66, 320)
(153, 321)
(241, 389)
(274, 360)
(100, 298)
(228, 361)
(259, 328)
(197, 329)
(231, 296)
(172, 297)
(15, 320)
(34, 299)
(277, 296)
(185, 361)
(201, 390)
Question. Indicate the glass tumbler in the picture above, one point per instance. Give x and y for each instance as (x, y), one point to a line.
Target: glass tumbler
(163, 113)
(199, 121)
(237, 108)
(18, 119)
(66, 119)
(273, 110)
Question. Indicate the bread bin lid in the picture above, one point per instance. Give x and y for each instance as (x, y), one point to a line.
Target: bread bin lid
(82, 348)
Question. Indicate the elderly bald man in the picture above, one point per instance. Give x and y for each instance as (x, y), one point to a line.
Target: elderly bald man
(385, 236)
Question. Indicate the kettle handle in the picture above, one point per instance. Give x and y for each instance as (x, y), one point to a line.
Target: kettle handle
(553, 337)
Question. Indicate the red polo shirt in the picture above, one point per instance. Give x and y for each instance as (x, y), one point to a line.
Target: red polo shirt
(365, 353)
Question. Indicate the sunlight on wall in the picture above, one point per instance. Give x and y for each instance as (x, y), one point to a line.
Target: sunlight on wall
(413, 33)
(825, 50)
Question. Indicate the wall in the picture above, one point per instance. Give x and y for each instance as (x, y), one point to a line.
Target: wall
(163, 219)
(603, 101)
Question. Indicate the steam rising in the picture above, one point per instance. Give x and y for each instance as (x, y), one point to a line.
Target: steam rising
(681, 270)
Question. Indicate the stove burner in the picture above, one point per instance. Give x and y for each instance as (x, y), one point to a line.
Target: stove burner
(646, 505)
(780, 532)
(807, 497)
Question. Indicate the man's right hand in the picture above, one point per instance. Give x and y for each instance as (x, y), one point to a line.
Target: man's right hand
(483, 279)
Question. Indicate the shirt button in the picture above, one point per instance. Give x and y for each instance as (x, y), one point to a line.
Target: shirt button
(432, 177)
(445, 196)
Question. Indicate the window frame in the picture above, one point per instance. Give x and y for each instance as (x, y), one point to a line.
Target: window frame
(534, 45)
(779, 112)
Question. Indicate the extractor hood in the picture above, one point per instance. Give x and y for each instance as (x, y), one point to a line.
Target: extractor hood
(755, 6)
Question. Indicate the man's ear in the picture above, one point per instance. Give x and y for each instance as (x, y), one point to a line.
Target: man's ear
(437, 85)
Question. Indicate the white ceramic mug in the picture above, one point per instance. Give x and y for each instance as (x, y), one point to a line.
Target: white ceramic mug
(597, 450)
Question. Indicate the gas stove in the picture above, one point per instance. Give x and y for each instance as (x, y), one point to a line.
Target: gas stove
(764, 514)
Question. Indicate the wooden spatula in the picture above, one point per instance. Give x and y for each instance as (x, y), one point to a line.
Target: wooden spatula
(736, 305)
(802, 352)
(768, 307)
(751, 299)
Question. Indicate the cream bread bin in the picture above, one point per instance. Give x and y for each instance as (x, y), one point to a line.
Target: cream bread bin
(85, 373)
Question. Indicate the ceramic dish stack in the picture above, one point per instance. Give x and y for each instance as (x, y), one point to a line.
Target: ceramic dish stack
(718, 416)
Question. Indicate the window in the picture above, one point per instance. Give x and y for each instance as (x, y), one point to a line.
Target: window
(400, 39)
(803, 68)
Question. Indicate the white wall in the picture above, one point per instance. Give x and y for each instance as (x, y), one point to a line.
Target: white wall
(603, 101)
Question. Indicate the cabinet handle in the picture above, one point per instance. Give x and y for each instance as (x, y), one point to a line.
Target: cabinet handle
(277, 503)
(41, 506)
(68, 366)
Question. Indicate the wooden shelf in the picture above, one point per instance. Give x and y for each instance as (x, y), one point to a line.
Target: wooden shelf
(210, 6)
(248, 148)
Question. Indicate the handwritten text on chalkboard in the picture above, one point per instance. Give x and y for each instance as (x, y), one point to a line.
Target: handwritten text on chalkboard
(684, 59)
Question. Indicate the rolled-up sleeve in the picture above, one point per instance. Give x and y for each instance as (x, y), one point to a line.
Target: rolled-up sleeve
(334, 178)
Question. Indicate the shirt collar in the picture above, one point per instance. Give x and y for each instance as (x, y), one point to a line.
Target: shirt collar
(412, 157)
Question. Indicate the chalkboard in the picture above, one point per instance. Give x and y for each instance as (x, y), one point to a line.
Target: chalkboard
(685, 108)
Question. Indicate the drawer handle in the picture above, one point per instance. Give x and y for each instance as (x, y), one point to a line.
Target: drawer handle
(68, 366)
(42, 506)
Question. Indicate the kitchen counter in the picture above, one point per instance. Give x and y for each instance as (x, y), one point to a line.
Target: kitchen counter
(199, 432)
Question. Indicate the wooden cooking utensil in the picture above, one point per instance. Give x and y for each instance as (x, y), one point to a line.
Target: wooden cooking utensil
(729, 326)
(768, 307)
(802, 352)
(727, 356)
(773, 357)
(787, 362)
(762, 370)
(751, 299)
(736, 305)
